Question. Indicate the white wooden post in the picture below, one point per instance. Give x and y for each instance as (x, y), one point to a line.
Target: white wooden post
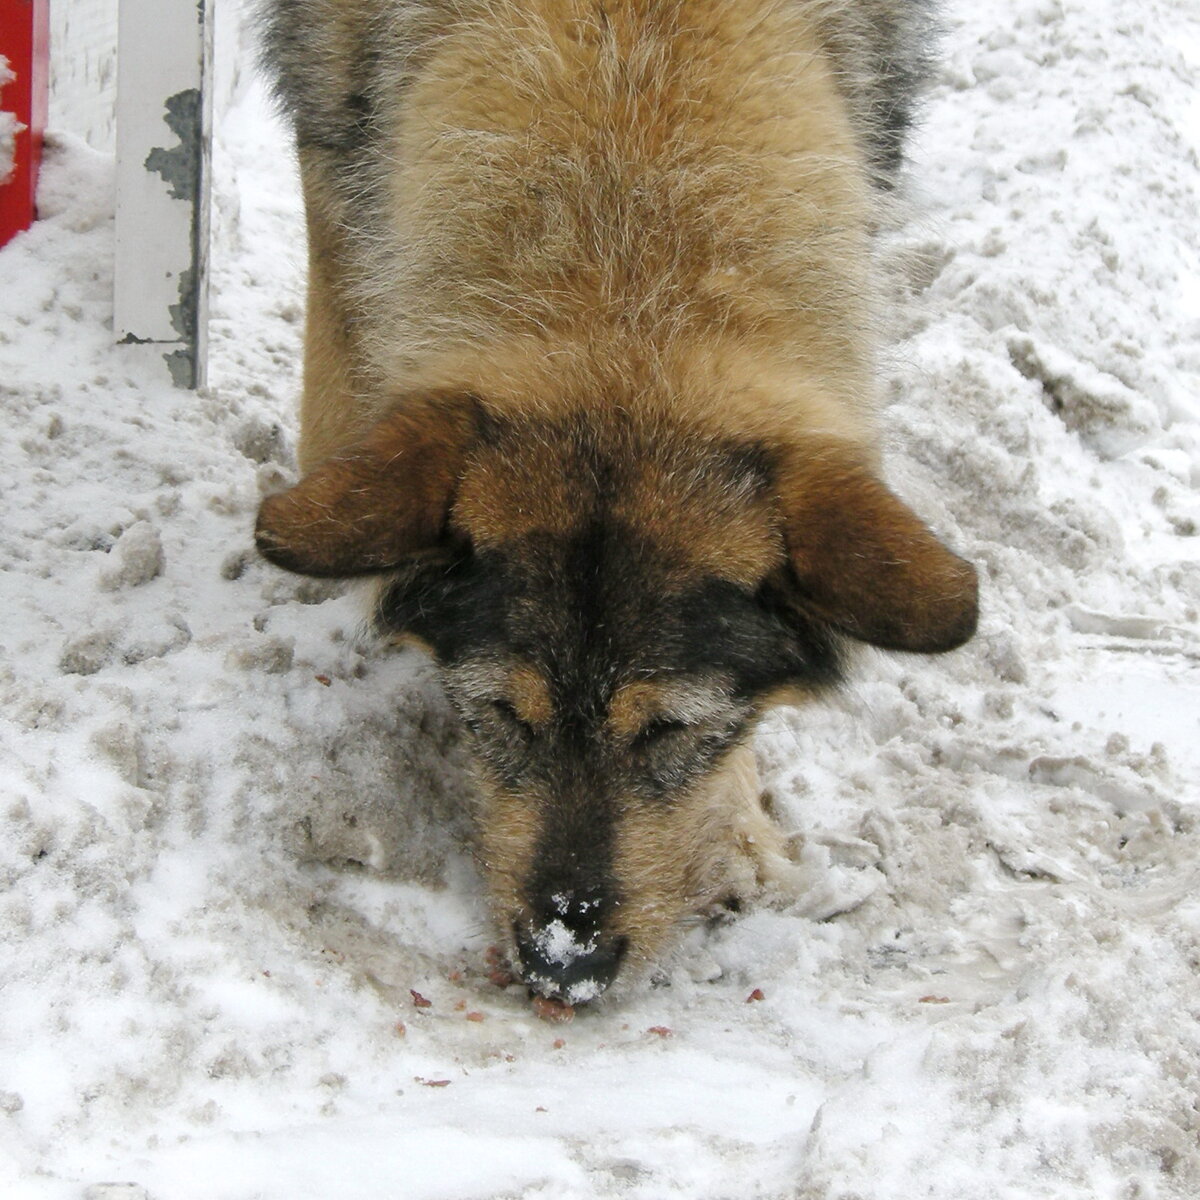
(164, 107)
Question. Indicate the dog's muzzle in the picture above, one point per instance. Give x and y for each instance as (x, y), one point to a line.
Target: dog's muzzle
(564, 963)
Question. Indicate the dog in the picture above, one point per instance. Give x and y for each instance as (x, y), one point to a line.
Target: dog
(589, 387)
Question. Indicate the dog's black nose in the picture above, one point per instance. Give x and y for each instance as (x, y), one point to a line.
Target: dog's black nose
(561, 964)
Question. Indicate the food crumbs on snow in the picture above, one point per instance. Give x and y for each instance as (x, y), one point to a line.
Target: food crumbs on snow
(552, 1010)
(419, 1001)
(400, 1029)
(499, 969)
(323, 680)
(559, 1043)
(661, 1031)
(474, 1016)
(934, 1000)
(757, 994)
(438, 1083)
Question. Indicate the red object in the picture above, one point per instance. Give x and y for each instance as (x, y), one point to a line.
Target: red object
(25, 42)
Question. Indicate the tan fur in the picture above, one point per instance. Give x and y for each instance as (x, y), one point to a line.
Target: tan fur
(709, 527)
(634, 706)
(495, 504)
(368, 509)
(637, 705)
(696, 519)
(332, 358)
(570, 230)
(867, 561)
(509, 826)
(528, 691)
(723, 846)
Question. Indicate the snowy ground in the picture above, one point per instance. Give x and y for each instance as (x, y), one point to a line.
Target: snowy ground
(990, 989)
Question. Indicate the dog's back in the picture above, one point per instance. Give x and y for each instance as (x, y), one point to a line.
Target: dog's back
(550, 201)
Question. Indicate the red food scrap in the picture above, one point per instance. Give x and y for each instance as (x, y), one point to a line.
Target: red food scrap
(474, 1016)
(323, 680)
(419, 1001)
(432, 1082)
(552, 1010)
(661, 1030)
(757, 994)
(500, 970)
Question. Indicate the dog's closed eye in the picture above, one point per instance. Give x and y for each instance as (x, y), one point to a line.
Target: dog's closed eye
(660, 730)
(504, 711)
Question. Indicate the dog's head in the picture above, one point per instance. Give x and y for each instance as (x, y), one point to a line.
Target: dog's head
(613, 603)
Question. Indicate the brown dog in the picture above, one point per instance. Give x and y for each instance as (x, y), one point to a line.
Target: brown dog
(588, 383)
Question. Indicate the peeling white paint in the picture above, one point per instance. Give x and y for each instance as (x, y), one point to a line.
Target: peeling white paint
(163, 150)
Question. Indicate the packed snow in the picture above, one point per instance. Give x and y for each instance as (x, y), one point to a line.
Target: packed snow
(244, 946)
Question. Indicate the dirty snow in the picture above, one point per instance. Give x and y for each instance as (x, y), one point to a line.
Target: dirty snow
(232, 831)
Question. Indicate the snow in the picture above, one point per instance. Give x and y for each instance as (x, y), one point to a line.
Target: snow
(560, 945)
(10, 127)
(988, 991)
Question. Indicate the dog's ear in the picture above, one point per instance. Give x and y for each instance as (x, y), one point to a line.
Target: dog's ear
(386, 497)
(864, 562)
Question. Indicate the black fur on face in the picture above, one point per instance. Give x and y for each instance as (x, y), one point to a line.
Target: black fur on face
(588, 615)
(616, 593)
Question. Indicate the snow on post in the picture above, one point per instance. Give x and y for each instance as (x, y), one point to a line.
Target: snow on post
(164, 108)
(24, 57)
(83, 70)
